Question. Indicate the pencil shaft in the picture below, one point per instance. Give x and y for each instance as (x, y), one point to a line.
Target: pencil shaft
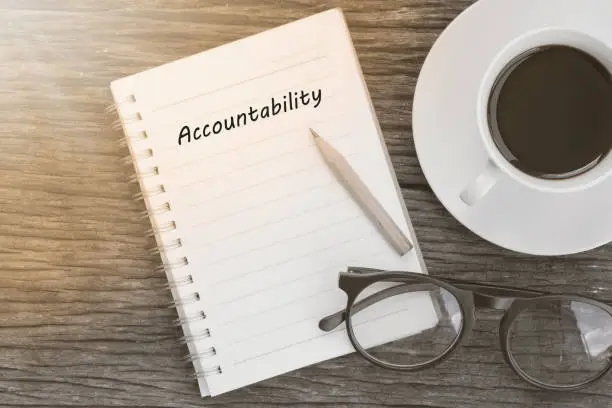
(362, 196)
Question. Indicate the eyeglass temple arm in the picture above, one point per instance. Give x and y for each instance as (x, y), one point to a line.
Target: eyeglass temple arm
(487, 296)
(474, 286)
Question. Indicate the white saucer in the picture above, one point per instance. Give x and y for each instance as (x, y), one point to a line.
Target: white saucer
(451, 152)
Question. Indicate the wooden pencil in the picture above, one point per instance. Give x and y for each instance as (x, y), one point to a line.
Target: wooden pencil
(362, 195)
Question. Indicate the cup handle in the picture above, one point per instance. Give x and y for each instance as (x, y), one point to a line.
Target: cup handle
(477, 189)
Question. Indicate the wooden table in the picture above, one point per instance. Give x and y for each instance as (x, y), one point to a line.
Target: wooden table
(84, 321)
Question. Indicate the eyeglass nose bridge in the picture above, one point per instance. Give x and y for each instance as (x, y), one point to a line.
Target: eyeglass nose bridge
(352, 283)
(485, 301)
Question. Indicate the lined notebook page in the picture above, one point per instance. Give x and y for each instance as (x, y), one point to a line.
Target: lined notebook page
(265, 226)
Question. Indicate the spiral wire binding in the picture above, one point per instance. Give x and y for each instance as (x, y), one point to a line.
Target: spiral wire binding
(186, 280)
(204, 334)
(195, 317)
(207, 372)
(164, 208)
(174, 245)
(142, 135)
(211, 351)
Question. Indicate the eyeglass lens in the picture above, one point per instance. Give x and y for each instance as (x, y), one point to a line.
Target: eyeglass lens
(389, 335)
(561, 342)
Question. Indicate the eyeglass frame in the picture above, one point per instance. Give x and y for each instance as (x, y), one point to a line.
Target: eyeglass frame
(470, 295)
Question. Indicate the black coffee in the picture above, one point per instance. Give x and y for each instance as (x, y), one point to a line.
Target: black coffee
(550, 112)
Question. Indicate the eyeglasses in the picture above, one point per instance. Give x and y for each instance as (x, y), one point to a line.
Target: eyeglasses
(408, 321)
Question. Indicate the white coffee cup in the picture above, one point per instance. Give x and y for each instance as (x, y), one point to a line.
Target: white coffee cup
(497, 167)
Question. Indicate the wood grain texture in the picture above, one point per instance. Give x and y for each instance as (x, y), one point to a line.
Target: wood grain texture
(83, 317)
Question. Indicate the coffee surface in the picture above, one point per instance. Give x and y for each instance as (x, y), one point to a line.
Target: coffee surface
(550, 112)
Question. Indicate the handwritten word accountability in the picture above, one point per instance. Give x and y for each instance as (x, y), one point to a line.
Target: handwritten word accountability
(291, 101)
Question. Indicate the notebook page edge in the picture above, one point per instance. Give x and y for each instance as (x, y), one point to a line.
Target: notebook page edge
(387, 156)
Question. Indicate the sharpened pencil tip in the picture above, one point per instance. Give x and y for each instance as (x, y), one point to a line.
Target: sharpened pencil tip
(313, 133)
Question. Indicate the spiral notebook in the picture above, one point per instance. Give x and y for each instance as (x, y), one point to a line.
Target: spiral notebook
(252, 227)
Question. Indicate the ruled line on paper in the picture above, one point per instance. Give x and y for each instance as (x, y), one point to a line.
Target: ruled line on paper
(280, 285)
(277, 307)
(307, 214)
(261, 184)
(242, 297)
(237, 169)
(265, 203)
(315, 47)
(267, 224)
(293, 258)
(272, 62)
(258, 185)
(250, 336)
(340, 328)
(298, 64)
(297, 343)
(309, 275)
(287, 269)
(284, 240)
